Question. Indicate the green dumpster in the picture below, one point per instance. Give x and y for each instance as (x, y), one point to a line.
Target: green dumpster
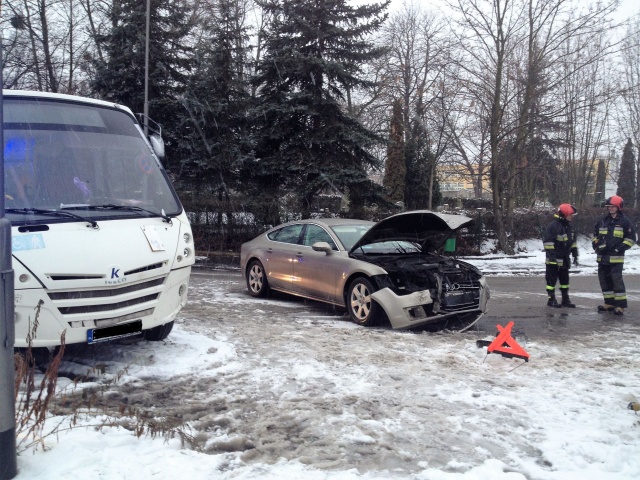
(450, 245)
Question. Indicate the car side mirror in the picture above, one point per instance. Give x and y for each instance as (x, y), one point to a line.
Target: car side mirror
(157, 144)
(322, 247)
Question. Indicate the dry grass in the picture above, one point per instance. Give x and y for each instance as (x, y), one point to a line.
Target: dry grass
(33, 398)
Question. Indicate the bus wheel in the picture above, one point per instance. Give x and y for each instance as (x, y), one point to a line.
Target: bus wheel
(158, 333)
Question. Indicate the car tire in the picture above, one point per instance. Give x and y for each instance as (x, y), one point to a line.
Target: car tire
(159, 333)
(363, 310)
(257, 279)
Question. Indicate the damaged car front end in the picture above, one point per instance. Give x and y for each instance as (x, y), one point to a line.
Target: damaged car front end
(445, 293)
(422, 287)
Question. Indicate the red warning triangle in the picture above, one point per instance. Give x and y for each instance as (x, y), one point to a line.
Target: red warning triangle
(505, 345)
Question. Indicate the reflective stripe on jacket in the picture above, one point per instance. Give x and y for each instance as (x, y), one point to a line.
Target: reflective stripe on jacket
(612, 237)
(559, 241)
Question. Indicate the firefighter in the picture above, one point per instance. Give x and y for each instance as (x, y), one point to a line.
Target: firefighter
(613, 235)
(559, 242)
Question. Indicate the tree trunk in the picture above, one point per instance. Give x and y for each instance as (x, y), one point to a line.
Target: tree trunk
(71, 50)
(46, 47)
(501, 203)
(34, 48)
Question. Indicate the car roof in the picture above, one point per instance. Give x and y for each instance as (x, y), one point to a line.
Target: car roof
(329, 222)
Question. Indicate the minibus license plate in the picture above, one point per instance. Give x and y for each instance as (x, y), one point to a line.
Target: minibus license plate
(96, 335)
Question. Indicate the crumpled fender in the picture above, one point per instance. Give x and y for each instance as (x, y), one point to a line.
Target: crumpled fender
(395, 306)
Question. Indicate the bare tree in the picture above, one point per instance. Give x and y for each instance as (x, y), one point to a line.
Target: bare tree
(515, 53)
(96, 14)
(629, 117)
(564, 46)
(50, 43)
(467, 131)
(490, 31)
(586, 98)
(413, 70)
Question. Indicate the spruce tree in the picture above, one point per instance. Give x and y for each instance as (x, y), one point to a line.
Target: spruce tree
(215, 139)
(305, 140)
(121, 76)
(395, 168)
(627, 175)
(421, 178)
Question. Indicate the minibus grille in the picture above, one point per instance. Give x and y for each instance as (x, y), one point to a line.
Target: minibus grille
(107, 307)
(105, 292)
(108, 303)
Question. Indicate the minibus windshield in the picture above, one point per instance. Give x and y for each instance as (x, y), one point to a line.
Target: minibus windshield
(63, 155)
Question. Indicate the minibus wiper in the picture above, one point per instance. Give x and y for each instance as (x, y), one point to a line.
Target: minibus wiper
(55, 213)
(110, 206)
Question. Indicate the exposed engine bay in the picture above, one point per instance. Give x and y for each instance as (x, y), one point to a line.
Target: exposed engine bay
(453, 284)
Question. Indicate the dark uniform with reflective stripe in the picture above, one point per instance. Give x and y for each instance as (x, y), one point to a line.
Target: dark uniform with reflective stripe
(611, 238)
(559, 241)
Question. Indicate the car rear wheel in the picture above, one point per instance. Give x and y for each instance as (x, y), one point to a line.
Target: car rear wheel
(257, 279)
(363, 310)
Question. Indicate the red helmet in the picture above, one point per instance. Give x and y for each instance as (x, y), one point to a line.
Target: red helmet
(614, 201)
(566, 209)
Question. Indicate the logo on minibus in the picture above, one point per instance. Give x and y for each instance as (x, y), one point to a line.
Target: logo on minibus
(115, 276)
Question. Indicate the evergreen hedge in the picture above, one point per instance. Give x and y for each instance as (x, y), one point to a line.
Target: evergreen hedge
(220, 238)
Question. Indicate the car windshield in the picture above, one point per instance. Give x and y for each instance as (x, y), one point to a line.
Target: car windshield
(69, 156)
(349, 234)
(390, 247)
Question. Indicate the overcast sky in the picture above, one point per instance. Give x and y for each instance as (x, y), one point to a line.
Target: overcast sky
(627, 7)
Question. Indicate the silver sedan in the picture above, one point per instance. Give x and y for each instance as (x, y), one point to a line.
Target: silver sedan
(392, 270)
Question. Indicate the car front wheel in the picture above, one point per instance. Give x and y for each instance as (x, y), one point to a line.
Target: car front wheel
(257, 279)
(362, 308)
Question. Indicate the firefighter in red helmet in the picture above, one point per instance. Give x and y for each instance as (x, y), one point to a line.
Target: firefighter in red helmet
(560, 242)
(613, 235)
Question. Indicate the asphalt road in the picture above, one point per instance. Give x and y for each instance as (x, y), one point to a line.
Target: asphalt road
(518, 299)
(523, 301)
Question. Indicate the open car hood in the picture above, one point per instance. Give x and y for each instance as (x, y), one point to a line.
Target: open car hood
(428, 229)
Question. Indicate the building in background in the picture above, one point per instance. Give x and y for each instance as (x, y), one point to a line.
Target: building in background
(457, 182)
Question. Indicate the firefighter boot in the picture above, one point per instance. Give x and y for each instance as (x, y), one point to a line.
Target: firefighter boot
(605, 308)
(552, 302)
(565, 299)
(618, 311)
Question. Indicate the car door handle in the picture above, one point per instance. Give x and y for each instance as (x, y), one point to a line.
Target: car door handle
(269, 250)
(299, 254)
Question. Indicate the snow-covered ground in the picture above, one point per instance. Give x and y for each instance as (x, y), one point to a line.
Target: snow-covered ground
(302, 395)
(530, 260)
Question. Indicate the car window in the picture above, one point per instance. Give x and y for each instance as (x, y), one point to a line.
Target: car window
(288, 234)
(315, 233)
(391, 247)
(350, 234)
